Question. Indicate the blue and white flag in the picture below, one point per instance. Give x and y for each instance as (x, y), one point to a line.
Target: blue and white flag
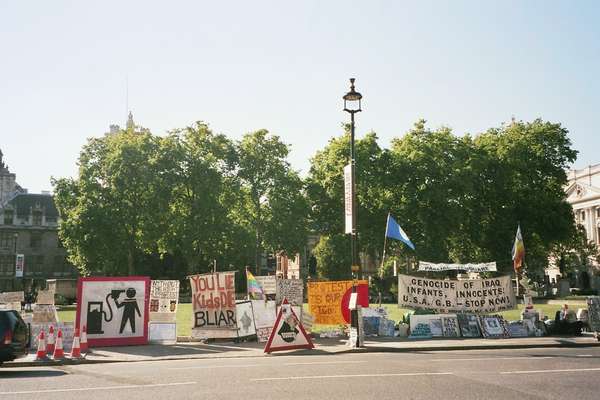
(394, 231)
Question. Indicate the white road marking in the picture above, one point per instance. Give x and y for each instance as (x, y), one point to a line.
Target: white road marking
(544, 371)
(351, 376)
(489, 358)
(325, 362)
(584, 355)
(221, 366)
(84, 389)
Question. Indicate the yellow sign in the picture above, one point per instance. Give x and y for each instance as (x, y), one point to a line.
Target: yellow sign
(325, 300)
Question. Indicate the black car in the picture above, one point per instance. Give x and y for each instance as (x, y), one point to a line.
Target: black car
(14, 336)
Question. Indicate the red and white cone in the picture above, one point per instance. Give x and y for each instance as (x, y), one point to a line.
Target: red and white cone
(83, 340)
(50, 341)
(41, 354)
(76, 349)
(59, 353)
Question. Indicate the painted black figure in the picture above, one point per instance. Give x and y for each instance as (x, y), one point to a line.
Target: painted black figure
(131, 307)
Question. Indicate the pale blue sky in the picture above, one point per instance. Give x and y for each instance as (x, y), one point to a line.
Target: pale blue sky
(284, 66)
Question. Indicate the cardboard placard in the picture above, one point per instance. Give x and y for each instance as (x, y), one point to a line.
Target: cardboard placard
(493, 326)
(162, 333)
(45, 297)
(469, 325)
(114, 309)
(12, 297)
(267, 283)
(265, 314)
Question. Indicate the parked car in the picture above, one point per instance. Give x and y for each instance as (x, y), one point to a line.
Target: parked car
(14, 336)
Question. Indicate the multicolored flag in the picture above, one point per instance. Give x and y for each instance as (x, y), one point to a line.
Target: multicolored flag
(255, 291)
(518, 251)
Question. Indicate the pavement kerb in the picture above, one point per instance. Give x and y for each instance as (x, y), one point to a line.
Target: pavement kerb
(367, 349)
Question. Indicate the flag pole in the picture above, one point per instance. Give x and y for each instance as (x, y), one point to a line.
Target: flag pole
(384, 244)
(247, 288)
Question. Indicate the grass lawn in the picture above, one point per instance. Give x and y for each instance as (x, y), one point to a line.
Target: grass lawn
(184, 314)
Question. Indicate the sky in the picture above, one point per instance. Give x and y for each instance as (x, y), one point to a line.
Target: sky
(69, 69)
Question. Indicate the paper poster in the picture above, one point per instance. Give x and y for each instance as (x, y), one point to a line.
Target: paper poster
(476, 296)
(493, 326)
(267, 283)
(290, 289)
(213, 304)
(164, 296)
(469, 325)
(434, 321)
(264, 318)
(450, 326)
(114, 310)
(245, 319)
(328, 300)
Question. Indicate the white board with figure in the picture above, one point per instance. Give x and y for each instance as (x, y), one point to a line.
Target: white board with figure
(114, 310)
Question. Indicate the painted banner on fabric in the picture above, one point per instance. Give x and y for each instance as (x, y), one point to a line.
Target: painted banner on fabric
(470, 267)
(477, 296)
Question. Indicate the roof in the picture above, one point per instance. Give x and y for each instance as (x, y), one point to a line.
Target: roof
(24, 202)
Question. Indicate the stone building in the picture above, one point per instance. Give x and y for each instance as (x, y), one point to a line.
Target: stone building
(583, 193)
(29, 226)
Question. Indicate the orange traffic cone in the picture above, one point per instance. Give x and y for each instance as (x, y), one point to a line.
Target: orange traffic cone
(83, 340)
(76, 349)
(50, 342)
(59, 353)
(41, 350)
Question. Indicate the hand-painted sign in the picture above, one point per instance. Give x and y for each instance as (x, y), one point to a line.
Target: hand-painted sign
(328, 300)
(12, 297)
(290, 289)
(45, 297)
(478, 295)
(164, 296)
(288, 333)
(114, 310)
(213, 304)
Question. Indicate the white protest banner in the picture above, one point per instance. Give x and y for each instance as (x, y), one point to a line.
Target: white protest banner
(213, 304)
(478, 296)
(164, 295)
(290, 289)
(470, 267)
(267, 283)
(348, 200)
(12, 297)
(114, 310)
(264, 318)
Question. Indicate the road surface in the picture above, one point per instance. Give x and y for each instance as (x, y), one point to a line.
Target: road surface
(486, 374)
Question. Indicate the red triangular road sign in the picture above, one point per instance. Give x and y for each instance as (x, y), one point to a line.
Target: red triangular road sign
(288, 332)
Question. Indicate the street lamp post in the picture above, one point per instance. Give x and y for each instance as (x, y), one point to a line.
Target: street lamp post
(352, 105)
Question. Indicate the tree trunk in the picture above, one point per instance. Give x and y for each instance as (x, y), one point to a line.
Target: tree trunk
(130, 267)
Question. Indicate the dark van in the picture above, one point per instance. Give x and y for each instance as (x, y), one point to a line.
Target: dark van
(14, 336)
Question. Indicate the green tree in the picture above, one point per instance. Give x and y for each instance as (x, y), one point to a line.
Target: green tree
(333, 257)
(274, 205)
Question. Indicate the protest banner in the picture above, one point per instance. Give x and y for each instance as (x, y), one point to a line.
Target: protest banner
(44, 313)
(493, 326)
(213, 305)
(12, 297)
(434, 321)
(164, 296)
(267, 283)
(245, 318)
(288, 332)
(328, 300)
(264, 318)
(114, 310)
(67, 329)
(469, 267)
(476, 296)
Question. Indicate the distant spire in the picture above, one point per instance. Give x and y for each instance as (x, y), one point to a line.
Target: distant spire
(1, 162)
(130, 124)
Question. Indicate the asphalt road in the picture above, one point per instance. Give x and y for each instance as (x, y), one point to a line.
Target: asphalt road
(561, 373)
